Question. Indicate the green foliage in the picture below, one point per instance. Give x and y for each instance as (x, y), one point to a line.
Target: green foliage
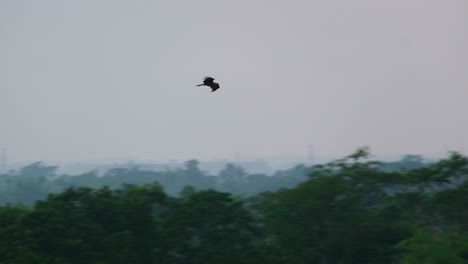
(208, 227)
(430, 248)
(334, 217)
(9, 240)
(347, 211)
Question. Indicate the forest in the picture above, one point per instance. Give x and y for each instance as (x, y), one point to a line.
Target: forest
(350, 210)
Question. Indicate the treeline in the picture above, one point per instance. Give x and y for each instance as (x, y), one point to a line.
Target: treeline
(35, 181)
(352, 210)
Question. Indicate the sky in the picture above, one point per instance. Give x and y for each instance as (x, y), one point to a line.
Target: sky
(110, 79)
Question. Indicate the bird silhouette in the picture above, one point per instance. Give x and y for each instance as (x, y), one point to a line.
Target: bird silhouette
(209, 81)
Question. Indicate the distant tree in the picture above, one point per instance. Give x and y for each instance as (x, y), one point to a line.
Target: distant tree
(30, 183)
(232, 178)
(187, 191)
(192, 168)
(232, 173)
(38, 169)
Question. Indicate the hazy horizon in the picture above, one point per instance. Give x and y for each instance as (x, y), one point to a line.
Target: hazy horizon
(114, 80)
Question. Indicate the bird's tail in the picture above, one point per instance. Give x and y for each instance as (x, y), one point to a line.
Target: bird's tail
(200, 84)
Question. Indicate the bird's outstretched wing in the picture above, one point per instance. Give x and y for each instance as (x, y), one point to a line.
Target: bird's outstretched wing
(214, 86)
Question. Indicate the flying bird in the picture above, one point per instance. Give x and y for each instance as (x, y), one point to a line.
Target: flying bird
(209, 81)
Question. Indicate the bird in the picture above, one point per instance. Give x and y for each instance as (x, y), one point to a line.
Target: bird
(209, 81)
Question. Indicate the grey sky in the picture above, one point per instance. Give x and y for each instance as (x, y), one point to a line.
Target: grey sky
(82, 80)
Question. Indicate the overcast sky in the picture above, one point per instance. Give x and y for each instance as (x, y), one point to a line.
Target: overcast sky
(107, 79)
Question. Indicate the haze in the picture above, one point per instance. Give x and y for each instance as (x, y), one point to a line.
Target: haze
(83, 80)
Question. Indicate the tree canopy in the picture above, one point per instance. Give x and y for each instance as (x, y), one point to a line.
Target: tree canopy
(352, 210)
